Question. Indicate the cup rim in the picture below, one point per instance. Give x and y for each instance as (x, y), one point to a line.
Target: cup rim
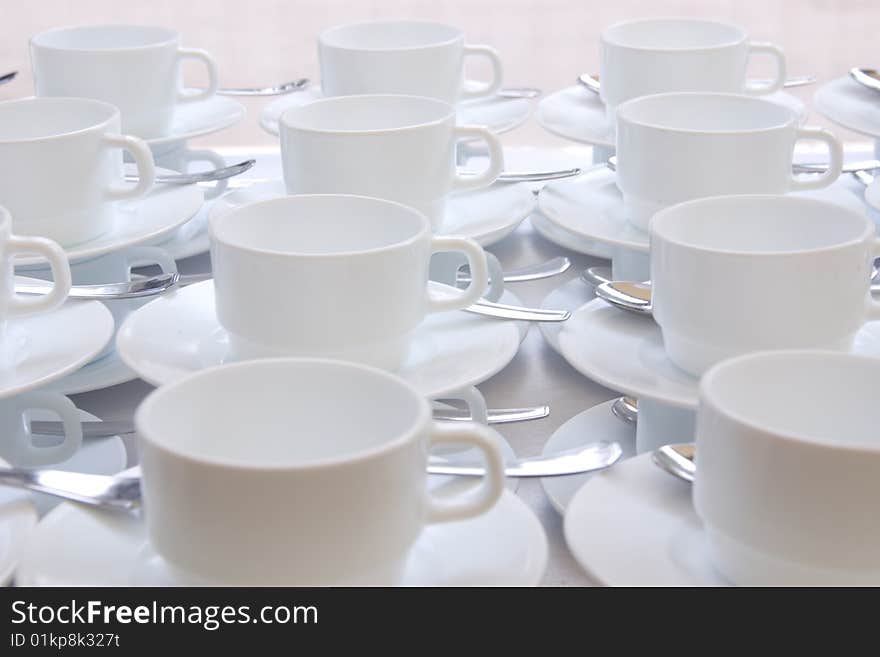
(145, 413)
(459, 35)
(46, 100)
(710, 396)
(656, 228)
(744, 35)
(290, 199)
(632, 102)
(286, 121)
(173, 36)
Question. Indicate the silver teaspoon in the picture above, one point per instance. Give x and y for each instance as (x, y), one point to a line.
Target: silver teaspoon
(591, 82)
(677, 460)
(623, 408)
(199, 176)
(277, 90)
(110, 428)
(141, 287)
(8, 77)
(123, 492)
(797, 167)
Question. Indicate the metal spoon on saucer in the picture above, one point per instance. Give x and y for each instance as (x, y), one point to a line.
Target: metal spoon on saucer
(8, 77)
(200, 176)
(626, 409)
(123, 492)
(677, 460)
(859, 168)
(136, 289)
(110, 428)
(591, 82)
(277, 90)
(546, 269)
(503, 177)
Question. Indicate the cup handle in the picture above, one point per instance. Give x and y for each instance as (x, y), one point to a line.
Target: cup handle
(778, 56)
(144, 256)
(476, 258)
(496, 158)
(835, 157)
(475, 402)
(473, 502)
(58, 263)
(143, 159)
(214, 159)
(873, 305)
(204, 57)
(489, 88)
(31, 456)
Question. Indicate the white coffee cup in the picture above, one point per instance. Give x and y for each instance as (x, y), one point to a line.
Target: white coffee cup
(788, 468)
(114, 267)
(660, 55)
(14, 305)
(330, 276)
(401, 57)
(400, 148)
(61, 166)
(677, 147)
(317, 480)
(21, 448)
(134, 67)
(736, 274)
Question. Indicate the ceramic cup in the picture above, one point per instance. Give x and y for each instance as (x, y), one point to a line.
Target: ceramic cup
(401, 57)
(677, 147)
(659, 55)
(13, 305)
(788, 468)
(114, 267)
(330, 276)
(317, 480)
(19, 447)
(736, 274)
(134, 67)
(400, 148)
(75, 144)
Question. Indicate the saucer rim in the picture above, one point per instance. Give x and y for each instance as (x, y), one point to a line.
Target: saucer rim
(241, 113)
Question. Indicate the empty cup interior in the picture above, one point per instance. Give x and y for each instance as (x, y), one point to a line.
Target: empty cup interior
(673, 34)
(321, 224)
(282, 414)
(38, 118)
(821, 398)
(760, 224)
(389, 35)
(705, 112)
(104, 37)
(367, 113)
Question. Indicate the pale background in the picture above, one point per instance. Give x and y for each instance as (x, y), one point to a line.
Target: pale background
(543, 43)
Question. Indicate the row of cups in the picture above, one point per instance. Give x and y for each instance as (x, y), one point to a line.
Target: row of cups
(137, 68)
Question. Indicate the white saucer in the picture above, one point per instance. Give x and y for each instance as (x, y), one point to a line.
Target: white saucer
(189, 240)
(39, 349)
(597, 423)
(568, 240)
(497, 114)
(590, 207)
(850, 105)
(18, 518)
(178, 334)
(635, 525)
(200, 118)
(485, 215)
(569, 296)
(872, 194)
(96, 456)
(107, 371)
(579, 114)
(164, 209)
(75, 546)
(625, 352)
